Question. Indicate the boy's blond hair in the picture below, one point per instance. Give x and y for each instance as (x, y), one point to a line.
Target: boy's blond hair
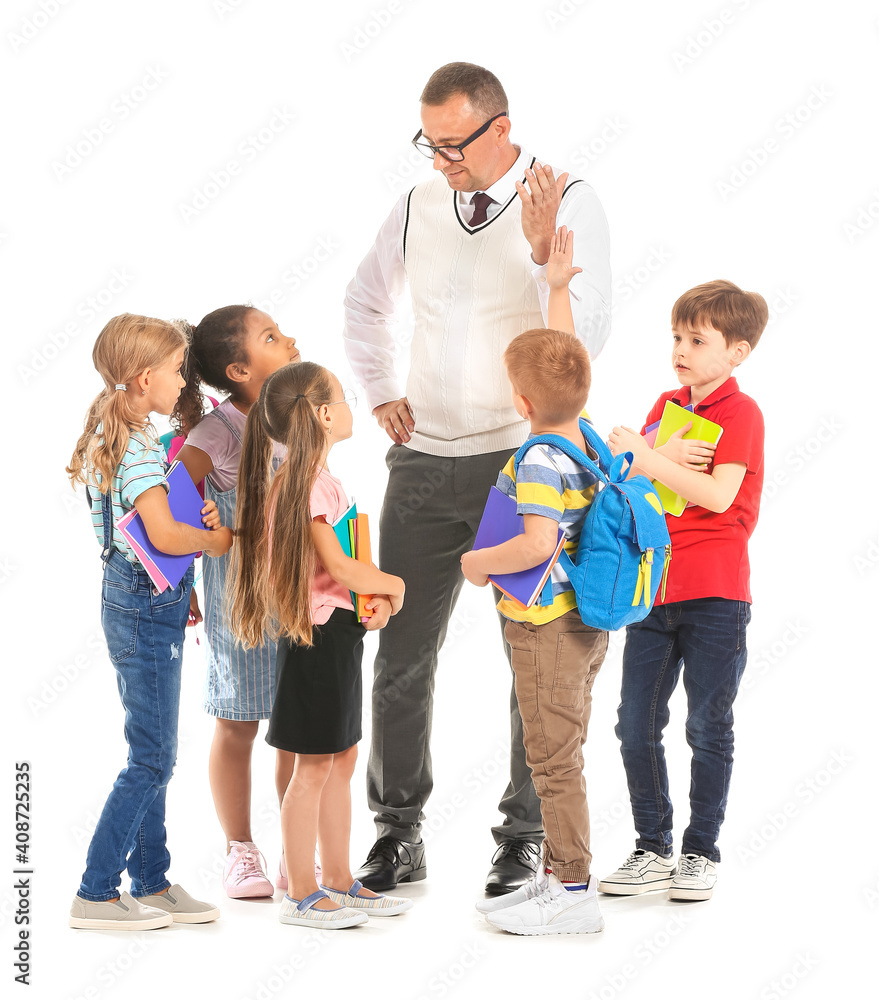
(552, 370)
(736, 314)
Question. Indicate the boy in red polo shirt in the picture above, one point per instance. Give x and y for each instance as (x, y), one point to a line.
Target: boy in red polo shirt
(699, 628)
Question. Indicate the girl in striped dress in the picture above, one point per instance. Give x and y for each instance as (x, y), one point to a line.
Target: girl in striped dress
(233, 349)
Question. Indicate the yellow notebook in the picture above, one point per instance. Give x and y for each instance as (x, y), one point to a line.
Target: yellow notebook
(675, 417)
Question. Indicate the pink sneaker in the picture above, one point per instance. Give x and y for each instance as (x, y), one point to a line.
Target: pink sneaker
(243, 874)
(281, 880)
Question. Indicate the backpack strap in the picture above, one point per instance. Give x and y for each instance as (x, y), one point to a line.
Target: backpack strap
(608, 468)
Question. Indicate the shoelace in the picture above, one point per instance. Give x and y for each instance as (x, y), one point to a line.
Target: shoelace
(634, 860)
(249, 862)
(389, 849)
(689, 866)
(523, 850)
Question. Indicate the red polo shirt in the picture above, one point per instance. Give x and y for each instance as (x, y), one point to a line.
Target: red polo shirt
(709, 552)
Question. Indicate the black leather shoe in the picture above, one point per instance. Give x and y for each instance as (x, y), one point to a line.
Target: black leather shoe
(514, 862)
(391, 861)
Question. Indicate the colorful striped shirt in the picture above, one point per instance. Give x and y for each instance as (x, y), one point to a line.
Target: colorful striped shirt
(552, 485)
(142, 467)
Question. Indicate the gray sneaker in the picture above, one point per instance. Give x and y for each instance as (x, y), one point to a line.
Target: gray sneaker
(181, 907)
(123, 914)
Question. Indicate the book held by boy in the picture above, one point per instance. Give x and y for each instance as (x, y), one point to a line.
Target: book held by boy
(674, 417)
(501, 522)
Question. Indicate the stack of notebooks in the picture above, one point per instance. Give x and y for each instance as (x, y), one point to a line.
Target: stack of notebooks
(164, 570)
(352, 530)
(673, 418)
(501, 522)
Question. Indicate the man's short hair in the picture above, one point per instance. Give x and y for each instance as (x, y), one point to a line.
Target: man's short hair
(738, 315)
(481, 87)
(552, 370)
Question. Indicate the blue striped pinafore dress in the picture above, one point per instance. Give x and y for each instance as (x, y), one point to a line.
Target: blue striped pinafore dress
(240, 682)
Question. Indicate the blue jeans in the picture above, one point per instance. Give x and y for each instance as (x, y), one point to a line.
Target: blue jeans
(144, 633)
(707, 638)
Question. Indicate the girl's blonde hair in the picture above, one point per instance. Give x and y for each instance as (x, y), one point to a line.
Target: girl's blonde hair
(272, 593)
(127, 346)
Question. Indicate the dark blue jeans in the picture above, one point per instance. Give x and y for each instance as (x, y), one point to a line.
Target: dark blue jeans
(706, 638)
(144, 632)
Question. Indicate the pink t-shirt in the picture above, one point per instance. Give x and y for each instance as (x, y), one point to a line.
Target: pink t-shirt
(328, 501)
(214, 438)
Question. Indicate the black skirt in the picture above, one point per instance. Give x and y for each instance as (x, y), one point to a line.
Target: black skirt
(318, 689)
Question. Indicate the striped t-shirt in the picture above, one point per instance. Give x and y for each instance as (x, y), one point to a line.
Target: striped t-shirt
(552, 485)
(142, 466)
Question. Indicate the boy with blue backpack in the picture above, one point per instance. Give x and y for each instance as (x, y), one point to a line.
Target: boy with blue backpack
(555, 655)
(698, 626)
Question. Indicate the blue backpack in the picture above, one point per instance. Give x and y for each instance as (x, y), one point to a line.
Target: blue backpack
(625, 524)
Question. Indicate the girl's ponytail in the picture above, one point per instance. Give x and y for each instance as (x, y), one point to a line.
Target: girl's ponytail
(125, 348)
(273, 594)
(187, 411)
(218, 341)
(247, 589)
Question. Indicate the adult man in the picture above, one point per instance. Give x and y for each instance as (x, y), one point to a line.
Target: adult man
(474, 260)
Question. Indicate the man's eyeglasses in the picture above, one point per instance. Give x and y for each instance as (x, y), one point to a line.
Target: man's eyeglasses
(452, 153)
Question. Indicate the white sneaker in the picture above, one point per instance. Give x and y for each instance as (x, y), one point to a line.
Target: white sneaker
(555, 910)
(695, 879)
(533, 887)
(643, 871)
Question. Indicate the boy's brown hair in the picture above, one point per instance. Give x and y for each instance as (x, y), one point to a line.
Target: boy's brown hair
(552, 370)
(736, 314)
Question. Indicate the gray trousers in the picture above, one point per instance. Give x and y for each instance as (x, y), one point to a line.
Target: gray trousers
(429, 518)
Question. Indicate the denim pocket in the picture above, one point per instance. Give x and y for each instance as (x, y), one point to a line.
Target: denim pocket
(120, 630)
(120, 580)
(169, 599)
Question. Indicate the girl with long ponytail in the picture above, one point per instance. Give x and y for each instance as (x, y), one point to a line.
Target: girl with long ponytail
(121, 463)
(290, 575)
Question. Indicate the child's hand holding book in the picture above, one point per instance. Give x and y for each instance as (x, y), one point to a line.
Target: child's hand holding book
(692, 454)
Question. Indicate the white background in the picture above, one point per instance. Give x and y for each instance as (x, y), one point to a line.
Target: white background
(668, 110)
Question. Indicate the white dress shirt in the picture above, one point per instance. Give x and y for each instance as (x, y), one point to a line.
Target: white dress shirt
(371, 296)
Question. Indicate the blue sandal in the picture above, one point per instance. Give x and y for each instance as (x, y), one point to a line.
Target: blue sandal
(294, 911)
(378, 906)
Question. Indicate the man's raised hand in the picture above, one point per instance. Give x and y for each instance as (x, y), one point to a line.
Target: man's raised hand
(540, 202)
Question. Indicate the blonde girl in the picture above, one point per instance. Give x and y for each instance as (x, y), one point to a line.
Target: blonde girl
(289, 572)
(234, 349)
(122, 465)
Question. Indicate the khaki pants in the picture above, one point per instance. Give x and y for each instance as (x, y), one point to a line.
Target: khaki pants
(555, 667)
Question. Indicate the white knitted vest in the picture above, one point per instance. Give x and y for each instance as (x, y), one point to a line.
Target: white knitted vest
(472, 293)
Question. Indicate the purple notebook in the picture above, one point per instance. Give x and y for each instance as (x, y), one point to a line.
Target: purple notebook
(186, 504)
(501, 522)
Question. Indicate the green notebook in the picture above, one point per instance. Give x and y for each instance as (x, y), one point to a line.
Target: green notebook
(675, 417)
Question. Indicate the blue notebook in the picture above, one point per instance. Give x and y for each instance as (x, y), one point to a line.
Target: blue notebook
(501, 522)
(343, 533)
(186, 505)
